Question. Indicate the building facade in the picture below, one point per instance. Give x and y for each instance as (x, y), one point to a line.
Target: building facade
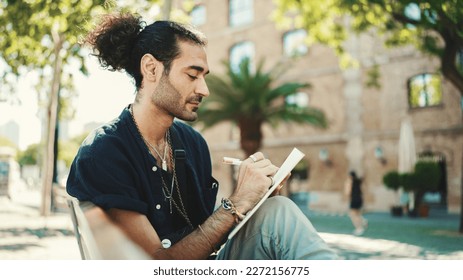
(364, 122)
(10, 130)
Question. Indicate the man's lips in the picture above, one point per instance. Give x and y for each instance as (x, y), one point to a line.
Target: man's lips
(195, 101)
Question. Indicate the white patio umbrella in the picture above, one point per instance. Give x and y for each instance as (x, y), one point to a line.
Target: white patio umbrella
(407, 150)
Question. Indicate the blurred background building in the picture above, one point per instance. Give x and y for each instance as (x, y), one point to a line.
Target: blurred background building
(10, 130)
(393, 92)
(364, 122)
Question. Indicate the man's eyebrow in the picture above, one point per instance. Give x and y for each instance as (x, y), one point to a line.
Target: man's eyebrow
(198, 68)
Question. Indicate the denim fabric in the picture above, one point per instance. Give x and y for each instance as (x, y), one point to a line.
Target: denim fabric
(277, 231)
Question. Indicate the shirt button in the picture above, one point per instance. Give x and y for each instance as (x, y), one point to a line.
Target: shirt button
(158, 206)
(154, 169)
(166, 243)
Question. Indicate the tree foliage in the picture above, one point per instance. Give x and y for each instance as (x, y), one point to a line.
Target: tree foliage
(30, 156)
(28, 27)
(433, 26)
(428, 175)
(392, 180)
(250, 98)
(68, 149)
(43, 36)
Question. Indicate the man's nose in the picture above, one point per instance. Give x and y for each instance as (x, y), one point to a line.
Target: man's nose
(202, 88)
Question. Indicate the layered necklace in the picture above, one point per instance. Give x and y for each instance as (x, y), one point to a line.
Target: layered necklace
(168, 194)
(163, 158)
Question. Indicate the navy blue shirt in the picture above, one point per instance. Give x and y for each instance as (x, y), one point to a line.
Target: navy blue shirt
(113, 169)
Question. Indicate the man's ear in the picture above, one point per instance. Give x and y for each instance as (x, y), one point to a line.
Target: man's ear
(150, 67)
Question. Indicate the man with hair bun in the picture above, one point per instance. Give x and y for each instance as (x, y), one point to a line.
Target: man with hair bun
(152, 174)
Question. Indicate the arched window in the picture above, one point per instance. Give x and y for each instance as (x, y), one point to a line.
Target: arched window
(240, 12)
(240, 51)
(424, 90)
(198, 15)
(298, 100)
(293, 43)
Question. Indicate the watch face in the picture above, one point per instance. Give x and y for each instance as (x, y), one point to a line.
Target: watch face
(226, 204)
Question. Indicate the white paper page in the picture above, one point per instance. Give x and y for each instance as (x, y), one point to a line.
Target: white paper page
(293, 158)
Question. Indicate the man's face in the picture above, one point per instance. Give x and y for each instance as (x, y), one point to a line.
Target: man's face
(180, 92)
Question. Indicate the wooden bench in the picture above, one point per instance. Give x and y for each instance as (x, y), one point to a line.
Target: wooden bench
(98, 237)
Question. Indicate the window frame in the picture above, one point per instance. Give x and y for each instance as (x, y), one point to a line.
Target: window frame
(425, 83)
(298, 100)
(240, 17)
(205, 14)
(235, 66)
(297, 53)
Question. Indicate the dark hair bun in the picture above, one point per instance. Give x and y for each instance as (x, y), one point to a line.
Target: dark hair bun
(113, 39)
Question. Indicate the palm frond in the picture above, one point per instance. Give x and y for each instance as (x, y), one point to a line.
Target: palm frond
(286, 90)
(312, 116)
(251, 94)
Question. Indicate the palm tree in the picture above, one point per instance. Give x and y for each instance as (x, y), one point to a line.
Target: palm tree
(249, 99)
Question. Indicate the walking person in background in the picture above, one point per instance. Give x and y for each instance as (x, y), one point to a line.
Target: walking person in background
(353, 191)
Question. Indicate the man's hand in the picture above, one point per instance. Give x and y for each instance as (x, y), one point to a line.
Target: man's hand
(253, 181)
(277, 190)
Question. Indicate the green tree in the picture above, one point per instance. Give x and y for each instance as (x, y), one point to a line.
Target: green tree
(392, 180)
(68, 149)
(427, 177)
(30, 156)
(435, 27)
(249, 99)
(42, 35)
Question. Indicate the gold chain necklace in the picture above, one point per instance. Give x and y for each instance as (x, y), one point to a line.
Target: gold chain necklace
(181, 209)
(167, 194)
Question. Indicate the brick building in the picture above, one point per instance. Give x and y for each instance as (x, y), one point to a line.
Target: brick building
(364, 122)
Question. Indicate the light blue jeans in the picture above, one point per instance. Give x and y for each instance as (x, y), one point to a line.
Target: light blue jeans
(277, 231)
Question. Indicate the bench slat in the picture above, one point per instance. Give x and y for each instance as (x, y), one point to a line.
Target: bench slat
(98, 237)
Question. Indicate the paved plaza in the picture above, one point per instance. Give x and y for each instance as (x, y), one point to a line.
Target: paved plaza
(25, 235)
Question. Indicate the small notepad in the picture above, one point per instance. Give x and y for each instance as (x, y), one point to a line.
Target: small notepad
(293, 158)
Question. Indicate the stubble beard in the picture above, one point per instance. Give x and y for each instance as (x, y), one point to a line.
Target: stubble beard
(168, 98)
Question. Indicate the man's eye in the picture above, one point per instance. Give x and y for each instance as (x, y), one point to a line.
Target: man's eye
(192, 77)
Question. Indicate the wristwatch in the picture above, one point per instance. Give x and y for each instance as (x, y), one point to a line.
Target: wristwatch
(228, 205)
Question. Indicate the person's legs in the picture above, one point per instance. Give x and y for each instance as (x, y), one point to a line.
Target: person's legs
(278, 230)
(353, 214)
(358, 221)
(363, 220)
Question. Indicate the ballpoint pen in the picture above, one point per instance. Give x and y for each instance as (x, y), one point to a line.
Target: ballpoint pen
(232, 161)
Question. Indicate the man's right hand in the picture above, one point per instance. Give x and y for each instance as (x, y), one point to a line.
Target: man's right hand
(253, 181)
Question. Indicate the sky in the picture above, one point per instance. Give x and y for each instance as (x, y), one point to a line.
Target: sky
(101, 97)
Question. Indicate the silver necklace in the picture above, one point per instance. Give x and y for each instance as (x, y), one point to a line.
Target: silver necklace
(163, 158)
(168, 195)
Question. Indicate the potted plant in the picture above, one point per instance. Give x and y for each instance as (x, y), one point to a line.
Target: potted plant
(424, 178)
(392, 181)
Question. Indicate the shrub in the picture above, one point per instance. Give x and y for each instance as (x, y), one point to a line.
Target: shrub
(392, 180)
(427, 176)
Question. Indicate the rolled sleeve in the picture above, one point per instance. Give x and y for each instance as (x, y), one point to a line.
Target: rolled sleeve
(105, 176)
